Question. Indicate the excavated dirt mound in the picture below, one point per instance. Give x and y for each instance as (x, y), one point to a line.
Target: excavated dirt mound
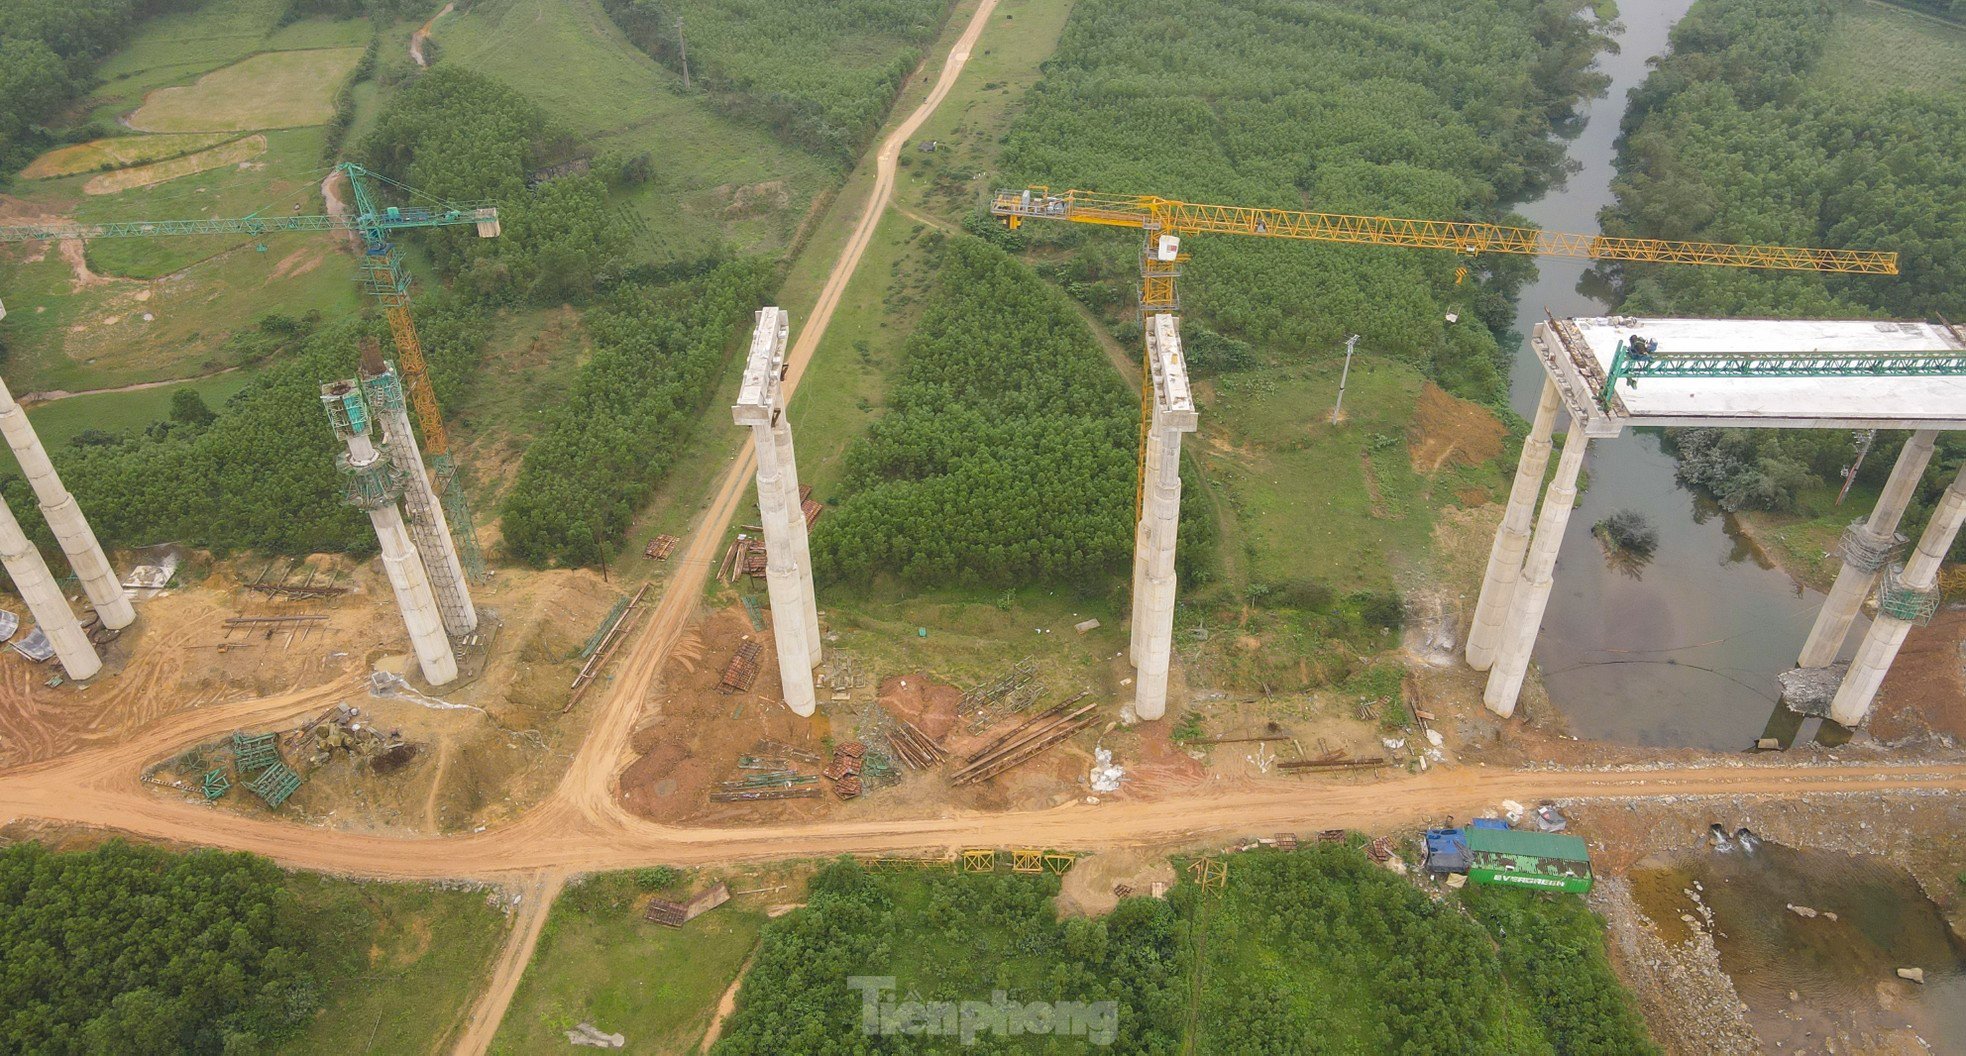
(1446, 428)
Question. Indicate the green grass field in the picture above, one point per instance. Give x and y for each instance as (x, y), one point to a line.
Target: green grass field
(178, 48)
(1878, 48)
(114, 412)
(598, 961)
(718, 182)
(283, 89)
(98, 155)
(400, 964)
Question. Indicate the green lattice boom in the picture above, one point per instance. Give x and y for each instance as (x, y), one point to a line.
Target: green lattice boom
(1781, 365)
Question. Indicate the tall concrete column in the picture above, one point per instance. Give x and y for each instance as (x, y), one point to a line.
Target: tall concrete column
(795, 527)
(44, 599)
(1532, 591)
(404, 567)
(1143, 544)
(429, 528)
(1512, 538)
(1907, 598)
(65, 518)
(788, 568)
(783, 581)
(374, 485)
(1153, 600)
(1866, 550)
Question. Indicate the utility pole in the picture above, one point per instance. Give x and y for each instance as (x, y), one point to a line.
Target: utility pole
(1351, 343)
(682, 49)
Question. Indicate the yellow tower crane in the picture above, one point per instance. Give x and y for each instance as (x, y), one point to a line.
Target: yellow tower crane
(1164, 220)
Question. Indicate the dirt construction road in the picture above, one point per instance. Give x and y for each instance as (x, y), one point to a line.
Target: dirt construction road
(581, 827)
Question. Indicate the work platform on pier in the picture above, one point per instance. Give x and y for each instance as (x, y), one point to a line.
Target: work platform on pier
(1757, 373)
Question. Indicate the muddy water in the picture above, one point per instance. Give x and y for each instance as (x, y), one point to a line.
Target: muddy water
(1810, 982)
(1683, 650)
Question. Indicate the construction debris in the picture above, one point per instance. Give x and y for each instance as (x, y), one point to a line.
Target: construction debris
(1012, 692)
(913, 747)
(761, 794)
(661, 547)
(1300, 766)
(275, 783)
(1105, 776)
(743, 669)
(284, 587)
(217, 783)
(602, 648)
(1027, 741)
(790, 751)
(746, 557)
(591, 1035)
(36, 646)
(676, 914)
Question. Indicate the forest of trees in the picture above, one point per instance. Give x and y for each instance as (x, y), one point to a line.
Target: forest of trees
(1429, 108)
(1006, 456)
(189, 479)
(48, 54)
(1738, 136)
(138, 952)
(818, 73)
(1314, 951)
(658, 353)
(462, 136)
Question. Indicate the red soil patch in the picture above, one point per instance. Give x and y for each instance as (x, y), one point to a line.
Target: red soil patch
(1446, 428)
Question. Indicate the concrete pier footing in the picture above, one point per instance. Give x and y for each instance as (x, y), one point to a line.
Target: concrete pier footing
(1532, 592)
(1887, 632)
(44, 599)
(1512, 539)
(64, 516)
(1861, 560)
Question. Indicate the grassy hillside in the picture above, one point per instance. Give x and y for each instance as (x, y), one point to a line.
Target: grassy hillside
(718, 184)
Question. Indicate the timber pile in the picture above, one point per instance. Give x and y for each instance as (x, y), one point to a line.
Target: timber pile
(913, 747)
(676, 914)
(743, 669)
(846, 761)
(661, 547)
(1299, 766)
(1027, 741)
(746, 557)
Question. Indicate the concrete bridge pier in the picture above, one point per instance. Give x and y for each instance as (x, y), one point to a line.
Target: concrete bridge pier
(1512, 539)
(788, 561)
(1173, 413)
(1866, 549)
(1909, 596)
(1532, 593)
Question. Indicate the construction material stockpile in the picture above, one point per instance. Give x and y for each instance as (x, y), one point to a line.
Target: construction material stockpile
(1027, 740)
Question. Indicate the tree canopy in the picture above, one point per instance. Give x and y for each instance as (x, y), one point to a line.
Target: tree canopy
(135, 951)
(1006, 456)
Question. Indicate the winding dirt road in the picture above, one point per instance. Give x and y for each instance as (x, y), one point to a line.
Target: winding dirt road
(582, 827)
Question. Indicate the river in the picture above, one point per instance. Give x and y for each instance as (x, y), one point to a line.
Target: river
(1682, 651)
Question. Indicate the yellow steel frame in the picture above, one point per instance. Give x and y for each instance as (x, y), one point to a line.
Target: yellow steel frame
(1027, 860)
(979, 860)
(1210, 874)
(1170, 216)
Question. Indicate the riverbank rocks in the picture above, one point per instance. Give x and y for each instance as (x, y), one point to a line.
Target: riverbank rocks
(1916, 975)
(1801, 911)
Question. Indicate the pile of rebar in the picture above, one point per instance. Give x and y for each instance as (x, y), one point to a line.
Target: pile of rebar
(790, 751)
(1296, 766)
(1014, 691)
(1028, 740)
(753, 795)
(775, 779)
(913, 747)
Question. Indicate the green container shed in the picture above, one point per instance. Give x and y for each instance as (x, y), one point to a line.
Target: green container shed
(1545, 861)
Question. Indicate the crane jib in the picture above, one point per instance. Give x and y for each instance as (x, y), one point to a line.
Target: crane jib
(1168, 216)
